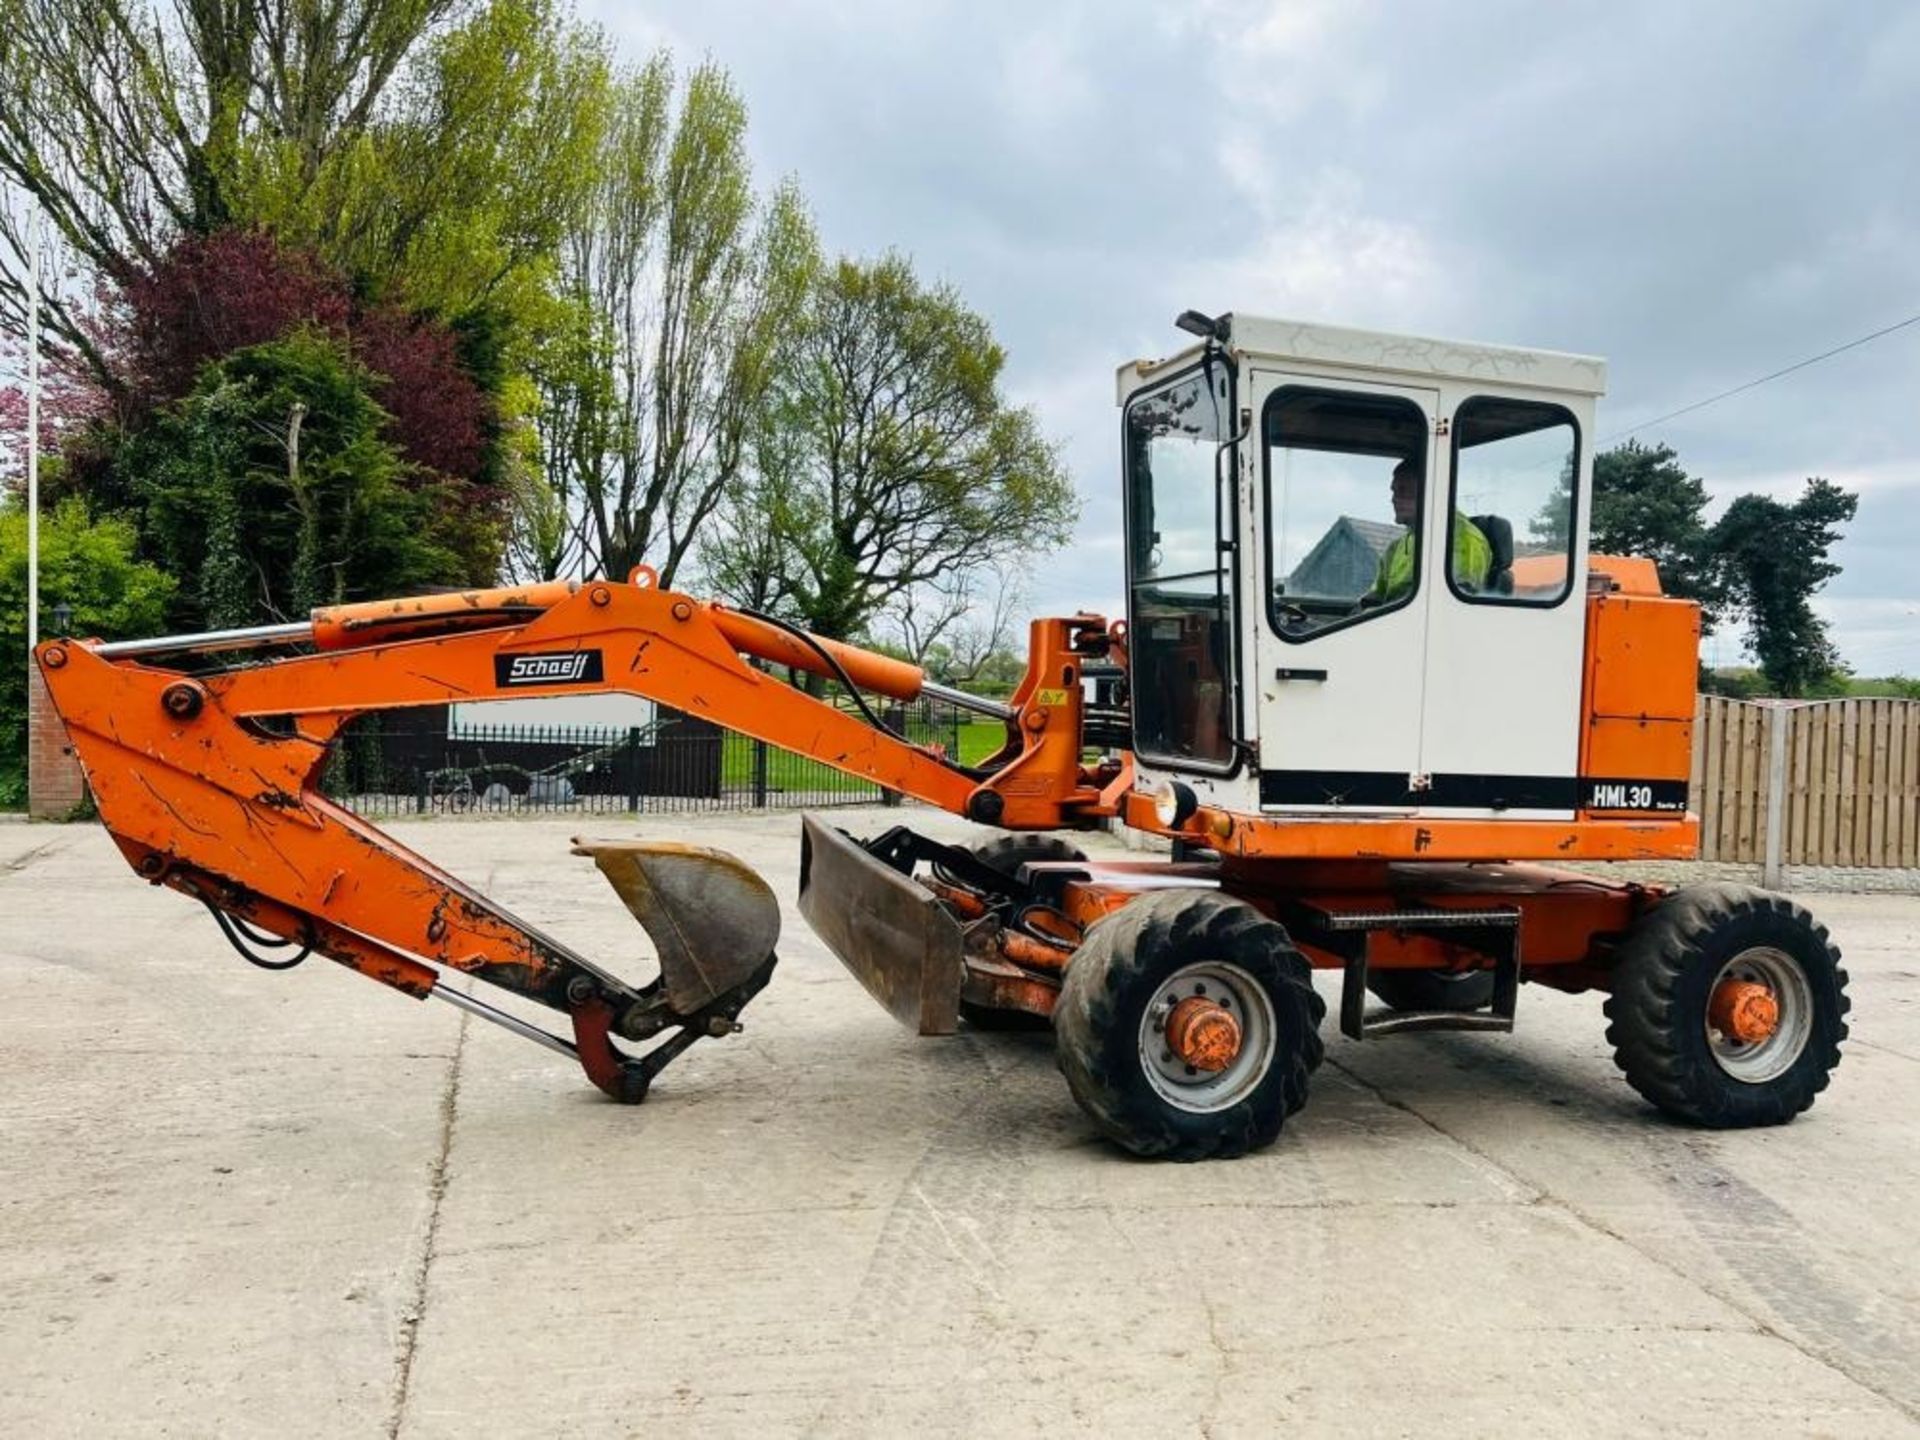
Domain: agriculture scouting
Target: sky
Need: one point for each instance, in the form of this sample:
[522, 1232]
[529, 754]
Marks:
[1702, 194]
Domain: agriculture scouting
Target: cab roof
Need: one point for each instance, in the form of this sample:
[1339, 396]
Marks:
[1263, 341]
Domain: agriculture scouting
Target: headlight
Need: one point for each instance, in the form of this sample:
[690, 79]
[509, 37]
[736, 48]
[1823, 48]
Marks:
[1174, 803]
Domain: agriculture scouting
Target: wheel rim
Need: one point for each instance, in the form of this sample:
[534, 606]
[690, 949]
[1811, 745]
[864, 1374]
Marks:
[1246, 1000]
[1756, 1061]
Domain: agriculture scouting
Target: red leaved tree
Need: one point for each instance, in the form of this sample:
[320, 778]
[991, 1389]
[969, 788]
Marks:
[439, 414]
[214, 294]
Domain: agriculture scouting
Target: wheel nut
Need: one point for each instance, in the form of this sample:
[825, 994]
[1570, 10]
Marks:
[1744, 1011]
[1203, 1034]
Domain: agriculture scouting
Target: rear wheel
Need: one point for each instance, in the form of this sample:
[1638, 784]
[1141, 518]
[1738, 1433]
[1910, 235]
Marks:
[1188, 1026]
[1431, 990]
[1007, 853]
[1728, 1007]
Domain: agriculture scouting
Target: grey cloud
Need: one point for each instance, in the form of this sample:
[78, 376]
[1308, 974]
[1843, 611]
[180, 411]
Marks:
[1700, 193]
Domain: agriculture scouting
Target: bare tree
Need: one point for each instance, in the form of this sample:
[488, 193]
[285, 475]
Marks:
[955, 625]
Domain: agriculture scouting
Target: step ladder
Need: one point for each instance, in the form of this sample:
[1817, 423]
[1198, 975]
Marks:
[1494, 932]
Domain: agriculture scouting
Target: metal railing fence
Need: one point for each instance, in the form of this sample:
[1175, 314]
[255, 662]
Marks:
[418, 762]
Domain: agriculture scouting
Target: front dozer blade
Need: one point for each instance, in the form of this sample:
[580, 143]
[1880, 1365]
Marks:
[712, 920]
[889, 931]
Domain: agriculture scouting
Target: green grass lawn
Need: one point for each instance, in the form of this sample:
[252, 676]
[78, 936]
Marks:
[787, 771]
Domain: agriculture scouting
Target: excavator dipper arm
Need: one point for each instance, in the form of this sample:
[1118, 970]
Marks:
[209, 781]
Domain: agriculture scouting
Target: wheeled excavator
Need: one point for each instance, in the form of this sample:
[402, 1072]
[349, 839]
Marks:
[1373, 724]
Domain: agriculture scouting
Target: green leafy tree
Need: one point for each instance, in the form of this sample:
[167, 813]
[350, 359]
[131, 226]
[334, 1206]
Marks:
[1775, 558]
[271, 490]
[1645, 503]
[130, 121]
[433, 149]
[892, 462]
[87, 565]
[457, 191]
[686, 288]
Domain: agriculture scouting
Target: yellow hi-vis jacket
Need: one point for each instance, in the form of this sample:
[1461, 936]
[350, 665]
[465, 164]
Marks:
[1472, 559]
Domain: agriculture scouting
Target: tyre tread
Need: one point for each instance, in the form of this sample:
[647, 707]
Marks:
[1653, 1048]
[1115, 957]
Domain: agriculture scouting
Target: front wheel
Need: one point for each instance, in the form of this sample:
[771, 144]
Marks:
[1728, 1007]
[1188, 1026]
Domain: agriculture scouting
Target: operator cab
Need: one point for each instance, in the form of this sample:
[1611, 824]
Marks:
[1357, 576]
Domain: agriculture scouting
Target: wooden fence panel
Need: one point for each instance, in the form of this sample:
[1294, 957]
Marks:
[1706, 729]
[1732, 748]
[1882, 760]
[1829, 781]
[1852, 781]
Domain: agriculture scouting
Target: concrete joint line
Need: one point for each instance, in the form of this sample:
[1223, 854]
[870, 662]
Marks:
[415, 1313]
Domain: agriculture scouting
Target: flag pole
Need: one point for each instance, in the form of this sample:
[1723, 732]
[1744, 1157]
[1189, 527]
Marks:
[33, 430]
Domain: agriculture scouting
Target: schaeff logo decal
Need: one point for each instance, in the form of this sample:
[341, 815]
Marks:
[569, 667]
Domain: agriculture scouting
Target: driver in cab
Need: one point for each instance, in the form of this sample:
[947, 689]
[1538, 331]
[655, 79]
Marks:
[1472, 555]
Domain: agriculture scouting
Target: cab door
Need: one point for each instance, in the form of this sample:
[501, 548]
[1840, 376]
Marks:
[1341, 653]
[1506, 620]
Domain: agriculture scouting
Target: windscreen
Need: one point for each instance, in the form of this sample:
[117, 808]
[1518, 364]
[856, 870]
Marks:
[1179, 584]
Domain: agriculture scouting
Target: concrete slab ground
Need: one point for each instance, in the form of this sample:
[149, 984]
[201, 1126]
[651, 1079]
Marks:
[236, 1203]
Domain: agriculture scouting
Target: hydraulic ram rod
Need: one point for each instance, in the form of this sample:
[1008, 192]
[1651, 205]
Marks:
[979, 704]
[254, 637]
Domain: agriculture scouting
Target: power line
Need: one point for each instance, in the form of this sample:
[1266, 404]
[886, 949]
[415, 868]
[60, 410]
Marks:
[1752, 384]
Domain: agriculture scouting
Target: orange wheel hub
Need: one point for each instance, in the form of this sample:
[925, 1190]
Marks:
[1203, 1034]
[1744, 1011]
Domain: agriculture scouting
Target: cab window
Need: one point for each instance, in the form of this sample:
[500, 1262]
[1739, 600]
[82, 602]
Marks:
[1180, 586]
[1345, 480]
[1515, 463]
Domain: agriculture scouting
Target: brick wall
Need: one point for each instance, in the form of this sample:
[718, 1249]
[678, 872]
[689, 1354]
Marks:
[55, 784]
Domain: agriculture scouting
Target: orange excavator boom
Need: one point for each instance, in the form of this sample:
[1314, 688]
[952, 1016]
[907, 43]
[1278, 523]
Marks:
[209, 779]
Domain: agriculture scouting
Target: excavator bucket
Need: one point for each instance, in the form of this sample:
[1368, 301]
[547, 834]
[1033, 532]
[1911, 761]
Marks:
[712, 920]
[889, 931]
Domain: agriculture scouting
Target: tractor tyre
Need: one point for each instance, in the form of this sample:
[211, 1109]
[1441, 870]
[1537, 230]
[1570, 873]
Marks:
[1112, 1024]
[1432, 990]
[1007, 853]
[1728, 1007]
